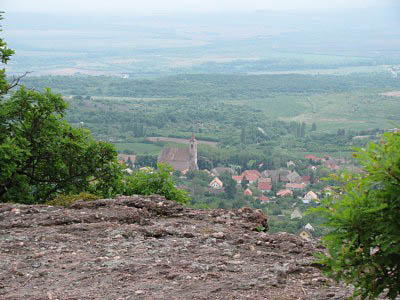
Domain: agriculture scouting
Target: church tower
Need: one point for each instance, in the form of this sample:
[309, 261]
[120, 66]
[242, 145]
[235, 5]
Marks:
[193, 153]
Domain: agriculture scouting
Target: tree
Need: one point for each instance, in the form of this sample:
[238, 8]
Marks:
[244, 183]
[155, 182]
[146, 160]
[303, 130]
[364, 218]
[5, 54]
[42, 156]
[229, 185]
[314, 127]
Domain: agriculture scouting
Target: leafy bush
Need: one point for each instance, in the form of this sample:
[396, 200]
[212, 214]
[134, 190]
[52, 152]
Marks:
[364, 218]
[149, 181]
[69, 200]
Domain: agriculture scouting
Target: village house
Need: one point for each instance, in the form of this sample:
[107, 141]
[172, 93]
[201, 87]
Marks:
[181, 158]
[294, 177]
[264, 186]
[305, 234]
[306, 179]
[248, 192]
[276, 175]
[254, 172]
[296, 214]
[312, 157]
[263, 179]
[263, 199]
[284, 193]
[251, 178]
[216, 183]
[310, 196]
[331, 165]
[290, 164]
[309, 227]
[295, 186]
[238, 179]
[327, 191]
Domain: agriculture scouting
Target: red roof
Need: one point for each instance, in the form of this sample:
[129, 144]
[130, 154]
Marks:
[248, 192]
[255, 172]
[263, 199]
[310, 156]
[264, 186]
[306, 178]
[238, 179]
[295, 186]
[251, 177]
[283, 193]
[263, 179]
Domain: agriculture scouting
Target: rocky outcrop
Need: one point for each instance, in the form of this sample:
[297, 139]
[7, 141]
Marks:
[150, 248]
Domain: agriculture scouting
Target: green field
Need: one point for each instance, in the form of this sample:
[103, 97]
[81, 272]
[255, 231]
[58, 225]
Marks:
[255, 114]
[138, 148]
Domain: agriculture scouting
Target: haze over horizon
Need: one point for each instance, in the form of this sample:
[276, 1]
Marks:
[150, 7]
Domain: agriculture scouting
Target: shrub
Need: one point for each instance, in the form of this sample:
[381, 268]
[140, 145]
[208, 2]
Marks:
[148, 182]
[364, 218]
[69, 200]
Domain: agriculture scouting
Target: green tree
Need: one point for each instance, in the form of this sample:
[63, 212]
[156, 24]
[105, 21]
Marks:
[364, 218]
[42, 156]
[244, 183]
[314, 127]
[243, 136]
[155, 182]
[229, 185]
[303, 130]
[5, 54]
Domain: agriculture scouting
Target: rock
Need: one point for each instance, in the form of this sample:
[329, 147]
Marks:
[146, 247]
[218, 235]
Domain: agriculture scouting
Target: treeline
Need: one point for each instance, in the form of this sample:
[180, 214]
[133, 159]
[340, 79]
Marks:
[212, 85]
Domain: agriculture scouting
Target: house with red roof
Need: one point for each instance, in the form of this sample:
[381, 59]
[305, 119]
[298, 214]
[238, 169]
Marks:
[254, 172]
[238, 179]
[295, 186]
[306, 179]
[248, 192]
[263, 199]
[264, 186]
[251, 178]
[263, 179]
[216, 183]
[312, 157]
[284, 193]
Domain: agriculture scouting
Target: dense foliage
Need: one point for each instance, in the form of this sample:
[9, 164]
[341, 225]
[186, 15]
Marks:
[364, 218]
[42, 155]
[150, 181]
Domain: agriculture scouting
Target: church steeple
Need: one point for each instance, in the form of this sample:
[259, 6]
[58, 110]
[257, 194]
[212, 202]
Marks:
[193, 153]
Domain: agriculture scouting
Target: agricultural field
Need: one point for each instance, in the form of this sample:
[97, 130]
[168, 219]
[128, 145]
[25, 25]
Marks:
[289, 114]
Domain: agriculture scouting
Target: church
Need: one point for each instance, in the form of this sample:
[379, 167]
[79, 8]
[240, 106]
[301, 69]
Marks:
[181, 159]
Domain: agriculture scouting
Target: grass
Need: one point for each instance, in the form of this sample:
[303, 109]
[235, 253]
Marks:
[139, 148]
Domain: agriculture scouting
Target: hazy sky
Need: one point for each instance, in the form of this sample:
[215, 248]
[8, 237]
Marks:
[171, 6]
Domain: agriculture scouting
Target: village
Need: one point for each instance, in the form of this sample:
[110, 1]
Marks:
[284, 194]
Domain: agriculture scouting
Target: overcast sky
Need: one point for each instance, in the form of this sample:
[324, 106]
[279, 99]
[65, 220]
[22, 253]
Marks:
[176, 6]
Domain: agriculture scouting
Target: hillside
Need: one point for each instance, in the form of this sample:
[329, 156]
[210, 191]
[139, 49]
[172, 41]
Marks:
[149, 248]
